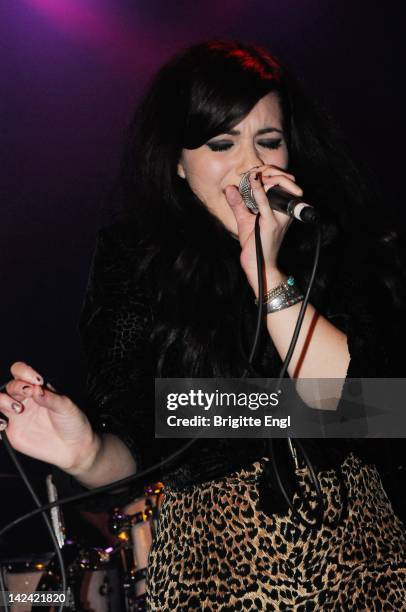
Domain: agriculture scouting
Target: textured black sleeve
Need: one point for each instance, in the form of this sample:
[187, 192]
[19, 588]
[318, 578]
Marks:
[360, 306]
[114, 327]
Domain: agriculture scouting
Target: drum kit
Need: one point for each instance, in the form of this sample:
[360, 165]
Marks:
[100, 579]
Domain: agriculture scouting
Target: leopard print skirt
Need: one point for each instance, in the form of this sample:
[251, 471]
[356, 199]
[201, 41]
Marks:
[217, 550]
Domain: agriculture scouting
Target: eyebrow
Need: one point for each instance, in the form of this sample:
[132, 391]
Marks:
[265, 130]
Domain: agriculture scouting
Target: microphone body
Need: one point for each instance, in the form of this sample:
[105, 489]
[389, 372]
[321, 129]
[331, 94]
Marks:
[280, 200]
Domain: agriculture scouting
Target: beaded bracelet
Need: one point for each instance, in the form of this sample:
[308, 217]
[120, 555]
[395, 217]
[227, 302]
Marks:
[282, 296]
[283, 287]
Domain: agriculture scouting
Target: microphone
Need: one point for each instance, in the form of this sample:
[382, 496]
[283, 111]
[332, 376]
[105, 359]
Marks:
[279, 199]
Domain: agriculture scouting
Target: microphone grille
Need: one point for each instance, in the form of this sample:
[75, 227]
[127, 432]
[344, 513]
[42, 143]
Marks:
[246, 193]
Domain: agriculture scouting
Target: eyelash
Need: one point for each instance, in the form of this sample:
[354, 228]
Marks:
[268, 144]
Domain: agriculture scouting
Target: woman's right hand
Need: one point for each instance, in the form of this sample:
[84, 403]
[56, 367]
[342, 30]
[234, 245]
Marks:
[45, 425]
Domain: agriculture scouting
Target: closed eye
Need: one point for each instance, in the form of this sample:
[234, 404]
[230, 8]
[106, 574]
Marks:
[275, 143]
[219, 145]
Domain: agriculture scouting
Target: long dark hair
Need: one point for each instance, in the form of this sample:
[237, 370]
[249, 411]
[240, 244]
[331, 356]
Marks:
[203, 306]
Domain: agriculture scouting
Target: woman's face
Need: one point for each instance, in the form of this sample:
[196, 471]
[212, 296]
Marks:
[257, 140]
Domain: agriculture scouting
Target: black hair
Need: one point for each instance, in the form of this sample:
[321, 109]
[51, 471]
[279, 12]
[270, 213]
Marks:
[204, 309]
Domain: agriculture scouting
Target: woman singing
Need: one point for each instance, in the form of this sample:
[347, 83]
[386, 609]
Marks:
[172, 293]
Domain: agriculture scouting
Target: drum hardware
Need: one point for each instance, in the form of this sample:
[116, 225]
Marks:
[139, 601]
[94, 558]
[135, 527]
[98, 580]
[56, 513]
[155, 491]
[121, 524]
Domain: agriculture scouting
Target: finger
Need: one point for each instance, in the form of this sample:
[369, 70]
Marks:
[271, 169]
[9, 406]
[3, 423]
[260, 197]
[236, 203]
[284, 182]
[282, 222]
[260, 189]
[19, 389]
[21, 370]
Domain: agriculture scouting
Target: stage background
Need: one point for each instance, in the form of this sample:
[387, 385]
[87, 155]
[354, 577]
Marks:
[72, 72]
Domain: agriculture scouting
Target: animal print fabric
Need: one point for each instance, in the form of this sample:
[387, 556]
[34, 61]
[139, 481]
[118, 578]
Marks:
[216, 549]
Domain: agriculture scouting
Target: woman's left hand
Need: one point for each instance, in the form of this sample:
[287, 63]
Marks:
[273, 224]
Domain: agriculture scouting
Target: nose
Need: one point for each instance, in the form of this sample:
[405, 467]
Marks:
[249, 158]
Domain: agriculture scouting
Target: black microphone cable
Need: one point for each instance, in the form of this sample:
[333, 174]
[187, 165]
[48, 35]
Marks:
[272, 468]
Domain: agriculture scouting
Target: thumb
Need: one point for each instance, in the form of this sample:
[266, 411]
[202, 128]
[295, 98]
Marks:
[236, 203]
[233, 196]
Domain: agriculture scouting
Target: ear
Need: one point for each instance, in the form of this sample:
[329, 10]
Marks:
[181, 170]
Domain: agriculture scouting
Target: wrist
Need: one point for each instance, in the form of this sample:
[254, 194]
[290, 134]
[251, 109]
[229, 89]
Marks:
[271, 279]
[85, 462]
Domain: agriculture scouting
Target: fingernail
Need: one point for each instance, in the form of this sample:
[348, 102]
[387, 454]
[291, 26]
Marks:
[16, 407]
[3, 424]
[36, 377]
[51, 387]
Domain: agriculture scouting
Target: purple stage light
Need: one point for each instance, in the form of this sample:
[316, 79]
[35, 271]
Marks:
[74, 17]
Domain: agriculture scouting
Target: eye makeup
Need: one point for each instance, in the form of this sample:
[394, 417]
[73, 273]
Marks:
[219, 145]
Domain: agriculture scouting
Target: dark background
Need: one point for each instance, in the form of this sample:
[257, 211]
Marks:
[72, 71]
